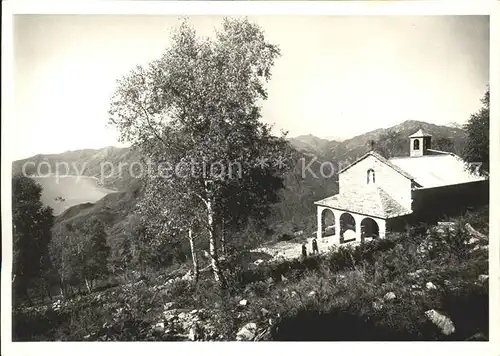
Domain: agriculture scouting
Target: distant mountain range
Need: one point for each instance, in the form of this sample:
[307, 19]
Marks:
[355, 147]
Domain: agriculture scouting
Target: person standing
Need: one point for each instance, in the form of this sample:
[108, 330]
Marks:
[304, 250]
[315, 247]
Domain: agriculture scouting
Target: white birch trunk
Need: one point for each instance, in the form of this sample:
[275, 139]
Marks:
[222, 239]
[193, 256]
[219, 277]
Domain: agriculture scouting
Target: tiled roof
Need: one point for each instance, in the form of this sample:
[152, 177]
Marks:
[366, 200]
[383, 160]
[436, 170]
[420, 133]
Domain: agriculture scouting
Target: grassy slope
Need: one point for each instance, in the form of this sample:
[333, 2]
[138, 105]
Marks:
[348, 303]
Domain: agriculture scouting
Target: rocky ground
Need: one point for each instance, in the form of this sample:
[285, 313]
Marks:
[153, 311]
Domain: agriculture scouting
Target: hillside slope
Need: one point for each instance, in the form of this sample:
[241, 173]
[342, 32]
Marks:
[112, 166]
[312, 145]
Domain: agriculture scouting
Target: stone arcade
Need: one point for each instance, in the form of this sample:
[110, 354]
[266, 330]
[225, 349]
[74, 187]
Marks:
[376, 193]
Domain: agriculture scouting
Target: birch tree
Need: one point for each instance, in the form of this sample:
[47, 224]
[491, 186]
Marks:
[195, 115]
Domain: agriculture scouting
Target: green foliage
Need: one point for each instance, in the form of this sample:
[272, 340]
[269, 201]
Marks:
[390, 144]
[80, 254]
[197, 107]
[125, 258]
[443, 144]
[98, 250]
[32, 223]
[478, 135]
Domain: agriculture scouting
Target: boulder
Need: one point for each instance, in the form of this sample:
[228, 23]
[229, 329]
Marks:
[312, 293]
[441, 321]
[258, 262]
[412, 274]
[265, 335]
[169, 317]
[169, 306]
[247, 332]
[186, 324]
[475, 233]
[243, 302]
[479, 247]
[159, 328]
[448, 224]
[473, 241]
[192, 335]
[389, 296]
[477, 337]
[377, 305]
[483, 278]
[430, 286]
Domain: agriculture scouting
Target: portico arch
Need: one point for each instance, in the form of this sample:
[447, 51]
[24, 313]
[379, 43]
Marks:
[328, 222]
[369, 229]
[347, 227]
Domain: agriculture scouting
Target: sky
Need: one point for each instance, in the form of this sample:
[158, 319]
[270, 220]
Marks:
[338, 76]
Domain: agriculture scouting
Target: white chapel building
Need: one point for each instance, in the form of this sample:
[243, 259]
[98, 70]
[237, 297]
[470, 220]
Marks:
[378, 194]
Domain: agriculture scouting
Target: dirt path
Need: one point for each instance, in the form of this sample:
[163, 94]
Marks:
[293, 249]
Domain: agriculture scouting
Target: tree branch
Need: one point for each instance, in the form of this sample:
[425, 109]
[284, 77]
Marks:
[151, 126]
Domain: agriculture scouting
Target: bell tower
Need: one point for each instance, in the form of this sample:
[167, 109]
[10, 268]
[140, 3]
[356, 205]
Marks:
[420, 142]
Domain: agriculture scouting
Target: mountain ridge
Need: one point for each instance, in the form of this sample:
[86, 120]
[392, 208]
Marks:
[356, 146]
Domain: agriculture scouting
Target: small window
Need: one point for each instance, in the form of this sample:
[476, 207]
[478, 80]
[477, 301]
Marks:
[416, 144]
[370, 176]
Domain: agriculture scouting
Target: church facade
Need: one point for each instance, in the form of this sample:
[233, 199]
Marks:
[378, 194]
